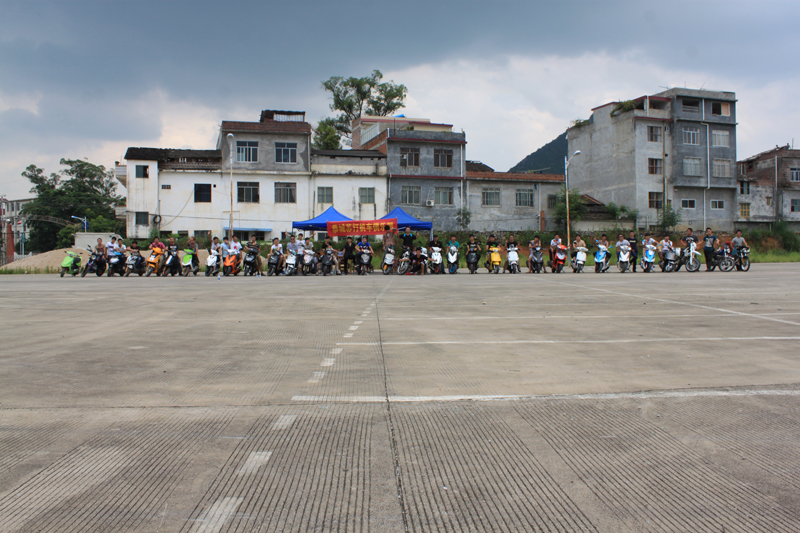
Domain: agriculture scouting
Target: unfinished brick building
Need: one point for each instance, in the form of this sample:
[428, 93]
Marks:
[769, 188]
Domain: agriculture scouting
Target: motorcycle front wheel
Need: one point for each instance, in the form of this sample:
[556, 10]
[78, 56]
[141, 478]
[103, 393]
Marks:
[693, 265]
[597, 267]
[63, 271]
[149, 271]
[727, 264]
[745, 265]
[387, 269]
[402, 268]
[647, 267]
[497, 269]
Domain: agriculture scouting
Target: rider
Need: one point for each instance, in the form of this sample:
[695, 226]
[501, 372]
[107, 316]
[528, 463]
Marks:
[111, 248]
[277, 248]
[192, 245]
[491, 243]
[216, 246]
[531, 245]
[689, 238]
[510, 241]
[160, 245]
[417, 263]
[348, 254]
[634, 249]
[294, 246]
[326, 245]
[310, 247]
[738, 242]
[710, 243]
[435, 242]
[553, 245]
[255, 247]
[364, 248]
[621, 241]
[236, 246]
[664, 245]
[473, 246]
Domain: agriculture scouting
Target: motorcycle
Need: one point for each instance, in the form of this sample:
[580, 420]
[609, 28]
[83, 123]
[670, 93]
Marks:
[116, 264]
[405, 263]
[307, 265]
[648, 258]
[689, 258]
[95, 265]
[212, 262]
[152, 262]
[388, 260]
[363, 261]
[231, 265]
[186, 262]
[512, 260]
[579, 259]
[452, 259]
[172, 264]
[472, 260]
[250, 263]
[436, 263]
[537, 260]
[273, 261]
[493, 259]
[671, 260]
[327, 261]
[134, 263]
[291, 264]
[624, 260]
[559, 259]
[71, 264]
[743, 259]
[601, 259]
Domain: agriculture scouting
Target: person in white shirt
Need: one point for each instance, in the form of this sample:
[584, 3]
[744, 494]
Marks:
[120, 248]
[664, 245]
[111, 247]
[555, 242]
[236, 246]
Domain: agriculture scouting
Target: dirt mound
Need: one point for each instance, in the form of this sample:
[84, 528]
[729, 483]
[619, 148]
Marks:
[41, 262]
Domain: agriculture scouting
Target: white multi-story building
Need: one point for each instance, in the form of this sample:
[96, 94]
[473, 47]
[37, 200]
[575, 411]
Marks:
[273, 179]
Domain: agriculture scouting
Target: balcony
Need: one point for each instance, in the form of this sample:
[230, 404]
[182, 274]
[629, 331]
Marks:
[700, 181]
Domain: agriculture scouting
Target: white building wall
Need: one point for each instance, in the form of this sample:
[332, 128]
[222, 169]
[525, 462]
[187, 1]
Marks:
[346, 195]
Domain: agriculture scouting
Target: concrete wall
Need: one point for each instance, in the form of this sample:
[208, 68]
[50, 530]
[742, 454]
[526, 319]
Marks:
[266, 153]
[142, 196]
[426, 143]
[82, 240]
[507, 216]
[442, 215]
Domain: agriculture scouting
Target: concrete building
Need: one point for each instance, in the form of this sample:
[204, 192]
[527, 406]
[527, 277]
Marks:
[11, 212]
[425, 165]
[677, 147]
[769, 188]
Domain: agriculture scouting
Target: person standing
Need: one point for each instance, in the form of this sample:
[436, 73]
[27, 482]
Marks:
[634, 244]
[348, 254]
[710, 244]
[408, 239]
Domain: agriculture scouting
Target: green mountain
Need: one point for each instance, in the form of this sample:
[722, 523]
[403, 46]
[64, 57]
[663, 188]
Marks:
[549, 159]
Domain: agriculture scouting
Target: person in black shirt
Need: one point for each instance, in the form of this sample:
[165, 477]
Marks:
[473, 246]
[689, 238]
[408, 239]
[349, 254]
[634, 249]
[509, 243]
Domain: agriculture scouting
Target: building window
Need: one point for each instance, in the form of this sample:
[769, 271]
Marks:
[654, 166]
[246, 151]
[687, 204]
[324, 195]
[692, 166]
[769, 200]
[442, 158]
[654, 134]
[409, 195]
[721, 168]
[691, 136]
[142, 218]
[744, 210]
[720, 109]
[794, 174]
[525, 198]
[690, 106]
[286, 152]
[247, 192]
[409, 157]
[366, 195]
[744, 187]
[656, 200]
[795, 205]
[166, 187]
[551, 201]
[490, 197]
[142, 171]
[720, 139]
[202, 193]
[285, 193]
[443, 195]
[717, 204]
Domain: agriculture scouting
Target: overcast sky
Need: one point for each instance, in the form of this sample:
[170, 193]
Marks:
[88, 79]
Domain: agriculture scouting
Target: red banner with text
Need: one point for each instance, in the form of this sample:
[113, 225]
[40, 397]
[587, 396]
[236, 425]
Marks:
[361, 227]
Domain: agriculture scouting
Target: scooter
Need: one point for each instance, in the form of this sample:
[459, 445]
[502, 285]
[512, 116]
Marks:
[231, 264]
[326, 263]
[404, 264]
[624, 261]
[579, 259]
[172, 264]
[290, 268]
[452, 259]
[559, 259]
[537, 259]
[134, 263]
[212, 263]
[388, 260]
[671, 260]
[250, 263]
[472, 261]
[601, 259]
[493, 260]
[273, 261]
[116, 264]
[152, 262]
[95, 265]
[648, 258]
[71, 264]
[436, 262]
[308, 266]
[362, 263]
[187, 264]
[512, 260]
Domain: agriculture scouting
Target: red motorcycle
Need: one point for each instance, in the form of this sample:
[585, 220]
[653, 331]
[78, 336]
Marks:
[559, 258]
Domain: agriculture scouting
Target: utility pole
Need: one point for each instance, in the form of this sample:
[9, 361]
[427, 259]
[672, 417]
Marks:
[230, 223]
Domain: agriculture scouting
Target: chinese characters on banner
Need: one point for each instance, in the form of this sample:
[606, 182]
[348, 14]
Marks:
[361, 227]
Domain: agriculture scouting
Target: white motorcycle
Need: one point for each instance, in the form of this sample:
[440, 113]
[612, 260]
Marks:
[436, 260]
[212, 262]
[452, 259]
[648, 257]
[291, 264]
[579, 259]
[388, 260]
[624, 261]
[308, 266]
[512, 260]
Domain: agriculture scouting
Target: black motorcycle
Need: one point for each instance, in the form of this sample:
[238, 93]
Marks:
[405, 261]
[363, 262]
[134, 264]
[327, 261]
[537, 260]
[116, 264]
[95, 265]
[249, 264]
[272, 263]
[172, 264]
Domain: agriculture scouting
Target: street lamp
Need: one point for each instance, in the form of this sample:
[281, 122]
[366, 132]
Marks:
[230, 223]
[85, 223]
[566, 188]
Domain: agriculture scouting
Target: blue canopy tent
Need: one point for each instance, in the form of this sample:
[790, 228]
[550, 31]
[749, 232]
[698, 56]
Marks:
[320, 223]
[404, 220]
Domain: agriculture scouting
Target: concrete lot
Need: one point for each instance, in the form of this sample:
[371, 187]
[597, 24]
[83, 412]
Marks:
[608, 403]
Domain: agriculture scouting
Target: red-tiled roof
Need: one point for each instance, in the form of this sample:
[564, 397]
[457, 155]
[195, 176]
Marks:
[269, 126]
[516, 176]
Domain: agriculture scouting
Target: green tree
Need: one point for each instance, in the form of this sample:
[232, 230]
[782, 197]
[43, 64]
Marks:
[668, 218]
[82, 189]
[577, 207]
[355, 97]
[326, 136]
[463, 218]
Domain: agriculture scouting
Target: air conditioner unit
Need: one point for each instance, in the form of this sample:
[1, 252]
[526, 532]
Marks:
[429, 203]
